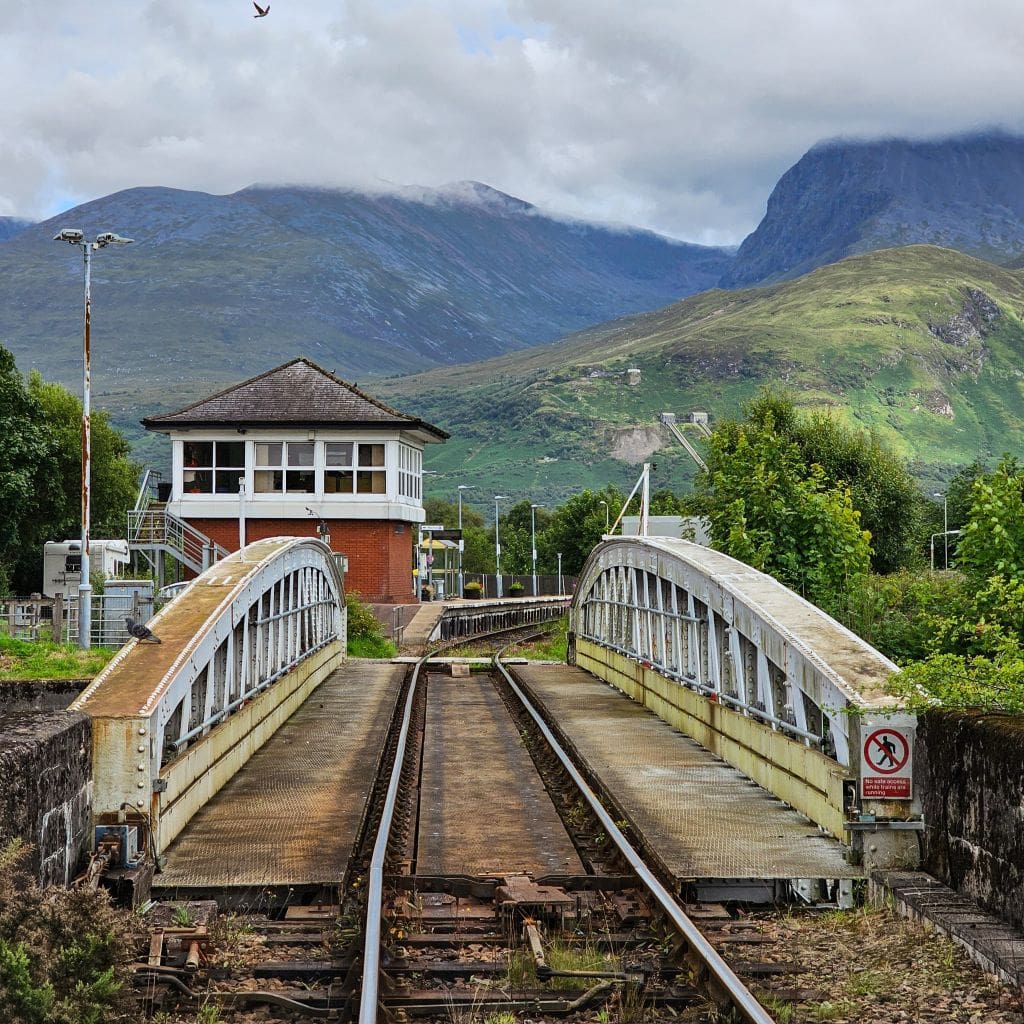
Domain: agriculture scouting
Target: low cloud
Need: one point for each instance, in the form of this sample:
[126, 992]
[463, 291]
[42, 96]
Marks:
[674, 117]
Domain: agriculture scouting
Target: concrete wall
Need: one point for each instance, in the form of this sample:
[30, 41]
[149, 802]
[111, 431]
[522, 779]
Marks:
[970, 770]
[39, 694]
[46, 788]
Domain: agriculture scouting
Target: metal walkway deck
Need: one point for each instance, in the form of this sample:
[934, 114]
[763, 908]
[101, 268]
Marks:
[483, 808]
[291, 816]
[700, 817]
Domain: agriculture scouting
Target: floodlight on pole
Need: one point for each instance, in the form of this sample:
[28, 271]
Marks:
[74, 236]
[497, 544]
[533, 537]
[462, 581]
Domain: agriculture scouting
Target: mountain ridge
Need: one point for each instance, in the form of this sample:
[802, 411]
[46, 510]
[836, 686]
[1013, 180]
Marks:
[843, 197]
[921, 345]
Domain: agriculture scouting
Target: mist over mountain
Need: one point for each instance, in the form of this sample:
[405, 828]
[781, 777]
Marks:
[848, 197]
[216, 288]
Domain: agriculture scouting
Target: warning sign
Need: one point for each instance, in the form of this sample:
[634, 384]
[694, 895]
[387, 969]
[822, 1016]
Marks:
[886, 765]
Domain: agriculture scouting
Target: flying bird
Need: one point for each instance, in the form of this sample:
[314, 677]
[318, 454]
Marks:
[141, 632]
[261, 12]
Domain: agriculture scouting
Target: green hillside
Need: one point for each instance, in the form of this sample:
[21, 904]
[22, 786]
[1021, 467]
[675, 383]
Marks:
[924, 346]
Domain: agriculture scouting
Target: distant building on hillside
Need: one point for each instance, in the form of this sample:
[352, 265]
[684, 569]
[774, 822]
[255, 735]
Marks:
[283, 451]
[633, 377]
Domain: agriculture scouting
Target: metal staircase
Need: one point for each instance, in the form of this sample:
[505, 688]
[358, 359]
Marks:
[154, 532]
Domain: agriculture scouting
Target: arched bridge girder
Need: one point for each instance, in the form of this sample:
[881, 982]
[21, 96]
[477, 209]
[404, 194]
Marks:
[172, 722]
[733, 634]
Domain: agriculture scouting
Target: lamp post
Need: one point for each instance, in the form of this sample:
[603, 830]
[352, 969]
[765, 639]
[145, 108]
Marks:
[462, 581]
[945, 527]
[605, 503]
[533, 536]
[497, 545]
[559, 573]
[76, 237]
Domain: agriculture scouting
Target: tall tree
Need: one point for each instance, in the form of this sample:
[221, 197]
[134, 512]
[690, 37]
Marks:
[891, 506]
[577, 526]
[771, 509]
[24, 451]
[40, 473]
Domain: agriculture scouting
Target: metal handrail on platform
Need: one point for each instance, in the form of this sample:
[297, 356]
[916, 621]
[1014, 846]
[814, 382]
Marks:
[153, 526]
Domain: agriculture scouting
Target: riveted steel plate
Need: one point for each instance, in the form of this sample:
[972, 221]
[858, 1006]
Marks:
[483, 808]
[292, 814]
[701, 817]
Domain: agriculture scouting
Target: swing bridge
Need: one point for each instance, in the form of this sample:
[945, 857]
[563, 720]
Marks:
[760, 678]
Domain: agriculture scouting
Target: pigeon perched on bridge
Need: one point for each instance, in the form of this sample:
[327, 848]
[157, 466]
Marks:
[142, 633]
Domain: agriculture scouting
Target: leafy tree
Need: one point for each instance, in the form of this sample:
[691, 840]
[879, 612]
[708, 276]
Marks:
[770, 508]
[24, 451]
[576, 527]
[882, 489]
[992, 543]
[40, 473]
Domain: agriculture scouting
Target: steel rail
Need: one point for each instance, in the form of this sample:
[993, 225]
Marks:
[375, 882]
[739, 995]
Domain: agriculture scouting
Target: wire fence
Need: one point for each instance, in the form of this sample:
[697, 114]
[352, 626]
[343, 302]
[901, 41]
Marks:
[56, 618]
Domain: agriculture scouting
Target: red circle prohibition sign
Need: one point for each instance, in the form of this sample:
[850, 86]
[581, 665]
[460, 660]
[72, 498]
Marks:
[886, 751]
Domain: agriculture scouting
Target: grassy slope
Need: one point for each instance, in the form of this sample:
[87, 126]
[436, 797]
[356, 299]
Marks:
[853, 337]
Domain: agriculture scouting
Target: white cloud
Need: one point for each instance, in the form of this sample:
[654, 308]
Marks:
[678, 116]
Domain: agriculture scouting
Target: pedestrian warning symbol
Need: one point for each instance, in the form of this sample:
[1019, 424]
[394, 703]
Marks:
[885, 765]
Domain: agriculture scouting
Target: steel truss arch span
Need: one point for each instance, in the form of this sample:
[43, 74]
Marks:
[241, 647]
[733, 634]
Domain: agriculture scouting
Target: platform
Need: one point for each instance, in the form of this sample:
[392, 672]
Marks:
[702, 819]
[292, 814]
[483, 808]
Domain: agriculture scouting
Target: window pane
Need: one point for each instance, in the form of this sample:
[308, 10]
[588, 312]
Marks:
[369, 482]
[227, 480]
[337, 482]
[371, 455]
[268, 454]
[197, 481]
[230, 454]
[300, 453]
[338, 453]
[199, 453]
[300, 481]
[268, 481]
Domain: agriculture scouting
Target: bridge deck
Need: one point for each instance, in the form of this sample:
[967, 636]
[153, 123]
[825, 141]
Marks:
[292, 814]
[483, 807]
[701, 817]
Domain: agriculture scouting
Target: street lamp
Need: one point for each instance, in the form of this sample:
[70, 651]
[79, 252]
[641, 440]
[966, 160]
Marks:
[945, 527]
[497, 545]
[533, 535]
[462, 487]
[76, 237]
[559, 573]
[605, 503]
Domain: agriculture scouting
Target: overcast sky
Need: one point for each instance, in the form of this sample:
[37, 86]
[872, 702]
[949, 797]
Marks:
[676, 115]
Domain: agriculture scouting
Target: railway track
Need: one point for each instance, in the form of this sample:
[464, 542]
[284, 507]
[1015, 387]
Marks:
[490, 882]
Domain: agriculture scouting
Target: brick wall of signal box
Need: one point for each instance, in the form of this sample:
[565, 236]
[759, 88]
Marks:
[379, 551]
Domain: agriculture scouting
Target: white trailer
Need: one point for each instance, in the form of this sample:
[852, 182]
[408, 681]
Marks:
[62, 563]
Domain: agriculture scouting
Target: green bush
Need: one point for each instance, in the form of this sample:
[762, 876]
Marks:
[64, 953]
[515, 590]
[366, 637]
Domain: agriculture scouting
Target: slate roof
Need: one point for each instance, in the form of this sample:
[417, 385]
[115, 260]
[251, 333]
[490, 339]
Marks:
[296, 394]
